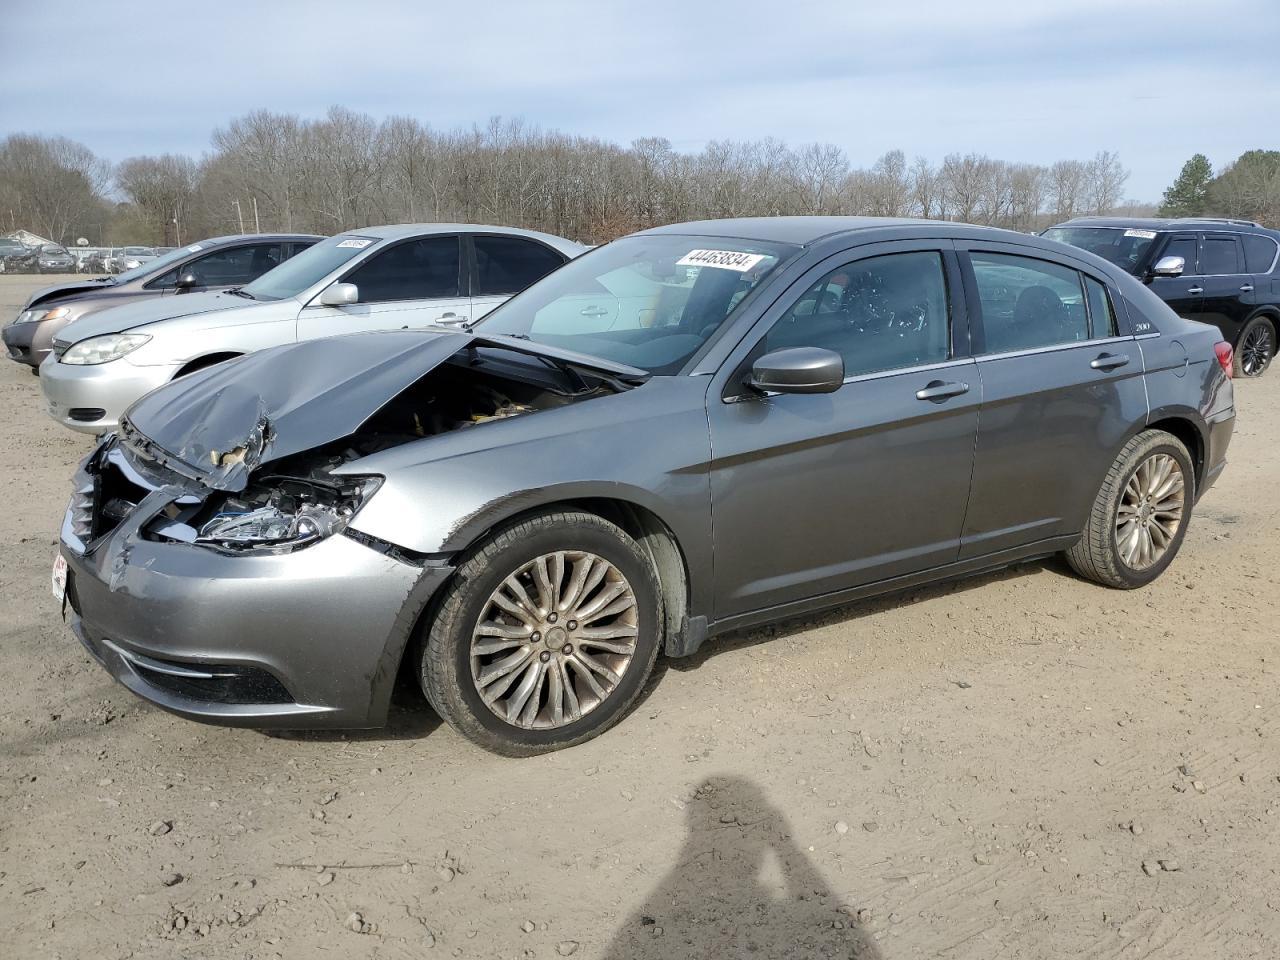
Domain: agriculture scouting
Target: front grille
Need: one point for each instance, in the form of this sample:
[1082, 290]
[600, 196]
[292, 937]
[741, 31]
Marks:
[80, 511]
[117, 495]
[59, 348]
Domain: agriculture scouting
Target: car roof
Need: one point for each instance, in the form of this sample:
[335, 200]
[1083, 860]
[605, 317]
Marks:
[399, 231]
[805, 231]
[209, 241]
[1226, 224]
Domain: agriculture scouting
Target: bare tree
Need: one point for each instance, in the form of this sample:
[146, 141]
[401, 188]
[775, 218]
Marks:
[51, 185]
[163, 189]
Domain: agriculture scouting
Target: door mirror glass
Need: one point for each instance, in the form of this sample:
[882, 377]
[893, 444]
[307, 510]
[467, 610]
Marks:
[185, 282]
[1169, 267]
[340, 295]
[798, 370]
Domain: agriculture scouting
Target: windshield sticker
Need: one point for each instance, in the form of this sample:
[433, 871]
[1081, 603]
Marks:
[194, 248]
[1144, 234]
[357, 244]
[724, 259]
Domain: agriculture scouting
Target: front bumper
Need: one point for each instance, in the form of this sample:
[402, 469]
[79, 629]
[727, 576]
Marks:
[91, 399]
[307, 639]
[30, 343]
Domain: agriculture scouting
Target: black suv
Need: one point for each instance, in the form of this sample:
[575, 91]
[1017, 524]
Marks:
[1216, 271]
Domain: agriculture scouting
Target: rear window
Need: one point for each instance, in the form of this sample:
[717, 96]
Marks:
[1259, 252]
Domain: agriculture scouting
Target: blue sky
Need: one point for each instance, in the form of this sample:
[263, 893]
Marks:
[1036, 80]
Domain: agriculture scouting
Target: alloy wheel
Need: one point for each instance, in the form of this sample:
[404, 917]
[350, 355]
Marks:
[554, 640]
[1150, 511]
[1256, 350]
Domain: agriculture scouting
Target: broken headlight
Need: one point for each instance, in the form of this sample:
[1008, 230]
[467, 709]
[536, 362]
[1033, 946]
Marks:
[285, 513]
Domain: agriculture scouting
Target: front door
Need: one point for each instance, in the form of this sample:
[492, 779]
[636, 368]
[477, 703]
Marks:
[1182, 293]
[1061, 386]
[815, 493]
[415, 283]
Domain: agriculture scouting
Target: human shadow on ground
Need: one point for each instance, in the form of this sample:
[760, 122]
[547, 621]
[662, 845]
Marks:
[740, 887]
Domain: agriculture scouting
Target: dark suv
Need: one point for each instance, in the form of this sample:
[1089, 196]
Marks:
[1223, 272]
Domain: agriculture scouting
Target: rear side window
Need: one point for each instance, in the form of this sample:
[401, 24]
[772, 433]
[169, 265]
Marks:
[1184, 247]
[1219, 255]
[509, 264]
[1259, 252]
[416, 270]
[1029, 303]
[1102, 318]
[883, 313]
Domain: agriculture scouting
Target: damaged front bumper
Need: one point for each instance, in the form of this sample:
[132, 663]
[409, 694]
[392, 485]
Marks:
[306, 639]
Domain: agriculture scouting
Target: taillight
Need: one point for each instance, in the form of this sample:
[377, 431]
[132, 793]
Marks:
[1226, 357]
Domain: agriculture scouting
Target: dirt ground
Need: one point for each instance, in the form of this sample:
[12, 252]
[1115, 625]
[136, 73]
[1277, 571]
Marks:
[1018, 765]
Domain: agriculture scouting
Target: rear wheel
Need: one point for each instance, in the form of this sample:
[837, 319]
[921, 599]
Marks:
[1140, 514]
[1257, 346]
[545, 636]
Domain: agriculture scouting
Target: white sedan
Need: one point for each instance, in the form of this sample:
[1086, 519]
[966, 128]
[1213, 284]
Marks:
[378, 278]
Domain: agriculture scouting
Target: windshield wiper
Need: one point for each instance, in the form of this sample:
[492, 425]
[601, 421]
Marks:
[240, 292]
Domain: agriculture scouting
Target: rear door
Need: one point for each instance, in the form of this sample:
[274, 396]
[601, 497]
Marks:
[413, 283]
[1182, 293]
[502, 266]
[1228, 296]
[816, 493]
[1061, 387]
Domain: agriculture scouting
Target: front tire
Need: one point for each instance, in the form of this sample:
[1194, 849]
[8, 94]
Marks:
[1255, 348]
[1140, 515]
[545, 635]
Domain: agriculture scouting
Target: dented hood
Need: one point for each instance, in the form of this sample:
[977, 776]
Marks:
[218, 424]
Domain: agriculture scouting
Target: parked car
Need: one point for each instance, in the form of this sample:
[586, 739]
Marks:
[1218, 271]
[131, 258]
[216, 263]
[863, 405]
[400, 276]
[17, 257]
[54, 258]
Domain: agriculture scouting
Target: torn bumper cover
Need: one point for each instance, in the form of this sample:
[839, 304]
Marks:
[303, 639]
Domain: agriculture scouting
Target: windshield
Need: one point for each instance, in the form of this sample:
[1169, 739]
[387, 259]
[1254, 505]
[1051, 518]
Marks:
[647, 301]
[53, 248]
[138, 252]
[154, 266]
[1126, 248]
[308, 268]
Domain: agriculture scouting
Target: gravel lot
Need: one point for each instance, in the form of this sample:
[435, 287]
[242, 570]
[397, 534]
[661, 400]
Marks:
[1018, 765]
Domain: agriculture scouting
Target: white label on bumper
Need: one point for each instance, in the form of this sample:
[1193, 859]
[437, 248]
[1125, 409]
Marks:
[59, 577]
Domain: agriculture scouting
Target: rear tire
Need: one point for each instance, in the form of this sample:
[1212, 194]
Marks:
[1255, 348]
[483, 619]
[1149, 481]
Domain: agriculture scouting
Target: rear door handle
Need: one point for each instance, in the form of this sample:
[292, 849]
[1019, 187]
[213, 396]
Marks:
[593, 311]
[1247, 288]
[1109, 361]
[1195, 289]
[939, 390]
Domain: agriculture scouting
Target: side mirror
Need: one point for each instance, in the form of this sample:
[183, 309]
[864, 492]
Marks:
[798, 370]
[340, 295]
[1169, 267]
[185, 283]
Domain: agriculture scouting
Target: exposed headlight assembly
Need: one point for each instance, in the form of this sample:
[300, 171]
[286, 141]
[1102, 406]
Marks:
[36, 314]
[103, 349]
[284, 513]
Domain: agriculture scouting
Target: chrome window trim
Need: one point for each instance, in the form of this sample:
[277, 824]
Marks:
[918, 368]
[1057, 347]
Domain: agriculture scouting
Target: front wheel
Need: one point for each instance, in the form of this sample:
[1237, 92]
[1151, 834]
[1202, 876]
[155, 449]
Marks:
[545, 635]
[1257, 346]
[1140, 514]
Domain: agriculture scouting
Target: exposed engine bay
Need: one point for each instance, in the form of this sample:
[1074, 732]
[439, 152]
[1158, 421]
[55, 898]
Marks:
[296, 500]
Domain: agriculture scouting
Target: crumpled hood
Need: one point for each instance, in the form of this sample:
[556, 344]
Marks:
[217, 425]
[130, 316]
[62, 292]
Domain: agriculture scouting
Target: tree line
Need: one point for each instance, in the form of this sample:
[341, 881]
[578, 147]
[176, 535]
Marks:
[1248, 188]
[278, 171]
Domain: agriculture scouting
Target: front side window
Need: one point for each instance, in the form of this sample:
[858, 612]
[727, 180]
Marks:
[509, 264]
[883, 313]
[1219, 255]
[650, 301]
[1028, 303]
[1126, 248]
[415, 270]
[228, 267]
[1184, 247]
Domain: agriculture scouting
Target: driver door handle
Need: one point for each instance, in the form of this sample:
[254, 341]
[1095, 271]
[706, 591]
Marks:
[1108, 361]
[593, 311]
[1195, 289]
[1247, 288]
[939, 390]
